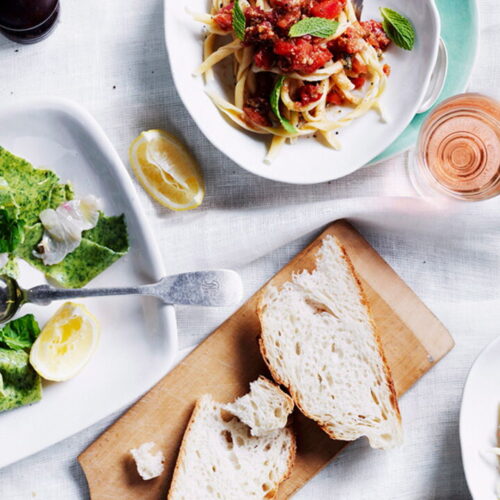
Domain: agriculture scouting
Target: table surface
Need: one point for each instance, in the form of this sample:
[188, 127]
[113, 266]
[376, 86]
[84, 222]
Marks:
[110, 57]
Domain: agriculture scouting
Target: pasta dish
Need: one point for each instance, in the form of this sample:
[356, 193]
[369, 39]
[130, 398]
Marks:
[301, 67]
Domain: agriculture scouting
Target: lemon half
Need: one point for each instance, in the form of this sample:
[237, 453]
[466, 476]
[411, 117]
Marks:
[66, 343]
[166, 170]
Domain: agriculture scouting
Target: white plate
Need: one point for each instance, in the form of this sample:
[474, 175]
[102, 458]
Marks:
[478, 423]
[139, 337]
[307, 161]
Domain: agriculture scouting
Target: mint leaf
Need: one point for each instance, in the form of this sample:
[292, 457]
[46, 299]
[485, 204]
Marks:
[239, 21]
[11, 232]
[314, 26]
[275, 106]
[398, 28]
[20, 333]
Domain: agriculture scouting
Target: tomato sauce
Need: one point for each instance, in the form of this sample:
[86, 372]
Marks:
[267, 32]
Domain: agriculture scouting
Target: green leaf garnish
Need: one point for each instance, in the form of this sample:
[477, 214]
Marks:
[11, 231]
[239, 20]
[314, 26]
[398, 28]
[275, 106]
[20, 333]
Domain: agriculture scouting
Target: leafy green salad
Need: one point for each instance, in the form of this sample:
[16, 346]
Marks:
[19, 383]
[70, 240]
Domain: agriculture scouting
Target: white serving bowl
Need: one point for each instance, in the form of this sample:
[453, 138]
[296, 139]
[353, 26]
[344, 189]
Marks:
[307, 161]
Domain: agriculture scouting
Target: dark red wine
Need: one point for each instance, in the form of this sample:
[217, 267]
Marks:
[28, 21]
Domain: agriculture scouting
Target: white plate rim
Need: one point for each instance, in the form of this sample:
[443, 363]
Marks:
[267, 174]
[462, 430]
[92, 127]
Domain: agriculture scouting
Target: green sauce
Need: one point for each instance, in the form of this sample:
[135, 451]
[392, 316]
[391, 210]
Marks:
[19, 383]
[29, 191]
[32, 189]
[100, 247]
[10, 268]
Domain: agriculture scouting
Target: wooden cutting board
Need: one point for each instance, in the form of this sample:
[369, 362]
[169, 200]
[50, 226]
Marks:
[224, 364]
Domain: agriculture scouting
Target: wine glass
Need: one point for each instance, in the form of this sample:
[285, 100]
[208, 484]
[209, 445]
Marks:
[458, 150]
[28, 21]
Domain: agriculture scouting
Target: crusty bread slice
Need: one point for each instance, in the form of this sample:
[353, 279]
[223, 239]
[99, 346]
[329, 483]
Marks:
[219, 459]
[320, 342]
[264, 409]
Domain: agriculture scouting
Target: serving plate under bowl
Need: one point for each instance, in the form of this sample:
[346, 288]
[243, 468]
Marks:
[460, 34]
[479, 415]
[307, 161]
[139, 337]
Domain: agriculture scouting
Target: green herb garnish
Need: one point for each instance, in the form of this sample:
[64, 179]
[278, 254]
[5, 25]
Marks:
[239, 20]
[398, 28]
[11, 231]
[314, 26]
[20, 333]
[275, 106]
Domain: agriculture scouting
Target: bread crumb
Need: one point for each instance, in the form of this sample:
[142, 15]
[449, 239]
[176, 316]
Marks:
[149, 465]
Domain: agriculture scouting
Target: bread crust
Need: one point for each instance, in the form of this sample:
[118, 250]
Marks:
[182, 453]
[388, 375]
[182, 449]
[292, 455]
[390, 381]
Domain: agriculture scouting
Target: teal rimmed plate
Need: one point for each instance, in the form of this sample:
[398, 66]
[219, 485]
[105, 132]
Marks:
[460, 32]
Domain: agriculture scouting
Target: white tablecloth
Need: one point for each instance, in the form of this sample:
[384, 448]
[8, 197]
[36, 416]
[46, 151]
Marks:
[110, 57]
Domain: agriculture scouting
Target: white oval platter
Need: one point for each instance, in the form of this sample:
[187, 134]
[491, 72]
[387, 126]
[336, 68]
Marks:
[139, 336]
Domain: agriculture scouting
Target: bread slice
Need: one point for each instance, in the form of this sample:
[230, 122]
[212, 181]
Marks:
[219, 459]
[264, 409]
[320, 342]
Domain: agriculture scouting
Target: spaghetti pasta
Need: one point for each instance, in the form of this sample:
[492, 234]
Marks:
[329, 81]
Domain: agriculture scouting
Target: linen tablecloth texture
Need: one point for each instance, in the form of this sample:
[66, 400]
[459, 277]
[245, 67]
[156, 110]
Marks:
[110, 57]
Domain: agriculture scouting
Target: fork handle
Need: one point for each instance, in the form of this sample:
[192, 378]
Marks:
[45, 294]
[216, 288]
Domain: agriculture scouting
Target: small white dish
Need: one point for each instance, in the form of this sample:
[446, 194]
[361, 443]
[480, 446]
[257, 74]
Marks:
[307, 161]
[139, 336]
[479, 415]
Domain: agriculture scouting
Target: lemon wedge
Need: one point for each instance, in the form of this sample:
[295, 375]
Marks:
[66, 343]
[166, 170]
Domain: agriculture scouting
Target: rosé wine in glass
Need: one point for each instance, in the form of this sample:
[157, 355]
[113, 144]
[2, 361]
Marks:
[458, 150]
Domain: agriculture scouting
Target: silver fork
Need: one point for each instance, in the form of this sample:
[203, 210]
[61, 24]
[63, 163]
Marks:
[358, 8]
[217, 288]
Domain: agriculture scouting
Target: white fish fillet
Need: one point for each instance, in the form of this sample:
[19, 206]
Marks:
[63, 228]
